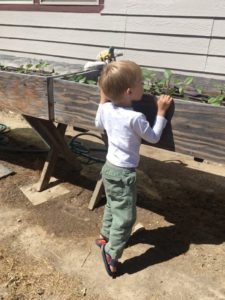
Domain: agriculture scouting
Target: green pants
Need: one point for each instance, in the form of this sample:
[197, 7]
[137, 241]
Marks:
[120, 209]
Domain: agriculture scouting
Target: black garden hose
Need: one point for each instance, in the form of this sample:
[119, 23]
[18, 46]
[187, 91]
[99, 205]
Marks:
[3, 139]
[81, 150]
[76, 146]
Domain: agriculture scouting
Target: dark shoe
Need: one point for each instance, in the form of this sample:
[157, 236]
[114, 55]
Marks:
[108, 261]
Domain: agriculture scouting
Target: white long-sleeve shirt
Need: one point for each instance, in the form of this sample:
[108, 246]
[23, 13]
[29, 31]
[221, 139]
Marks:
[125, 128]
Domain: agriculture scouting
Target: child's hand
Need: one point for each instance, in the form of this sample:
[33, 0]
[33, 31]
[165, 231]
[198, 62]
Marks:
[164, 102]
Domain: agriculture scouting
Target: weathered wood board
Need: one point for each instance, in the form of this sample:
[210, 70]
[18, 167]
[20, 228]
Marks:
[26, 94]
[194, 128]
[75, 104]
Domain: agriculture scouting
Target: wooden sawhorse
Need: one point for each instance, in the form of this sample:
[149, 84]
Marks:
[53, 135]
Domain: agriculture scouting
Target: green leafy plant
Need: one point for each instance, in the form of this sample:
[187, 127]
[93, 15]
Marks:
[24, 68]
[81, 78]
[166, 84]
[29, 68]
[216, 100]
[157, 84]
[183, 85]
[163, 85]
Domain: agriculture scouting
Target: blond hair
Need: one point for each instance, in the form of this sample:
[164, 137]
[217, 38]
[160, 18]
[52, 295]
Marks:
[117, 77]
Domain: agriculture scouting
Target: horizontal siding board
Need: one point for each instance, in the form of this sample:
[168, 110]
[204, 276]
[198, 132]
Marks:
[41, 56]
[63, 20]
[141, 41]
[161, 60]
[55, 49]
[153, 33]
[190, 8]
[167, 43]
[218, 28]
[217, 47]
[64, 36]
[215, 65]
[168, 60]
[164, 25]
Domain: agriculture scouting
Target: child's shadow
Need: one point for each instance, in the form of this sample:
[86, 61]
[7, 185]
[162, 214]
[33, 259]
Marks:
[165, 243]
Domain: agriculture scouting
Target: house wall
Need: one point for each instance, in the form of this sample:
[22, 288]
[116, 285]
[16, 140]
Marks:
[184, 36]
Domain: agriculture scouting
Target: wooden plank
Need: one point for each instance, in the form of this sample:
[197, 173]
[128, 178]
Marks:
[75, 104]
[157, 25]
[64, 36]
[96, 195]
[218, 28]
[203, 8]
[195, 129]
[167, 60]
[46, 57]
[49, 163]
[152, 59]
[215, 65]
[167, 43]
[25, 94]
[4, 171]
[199, 130]
[167, 25]
[53, 49]
[136, 41]
[63, 20]
[53, 136]
[217, 47]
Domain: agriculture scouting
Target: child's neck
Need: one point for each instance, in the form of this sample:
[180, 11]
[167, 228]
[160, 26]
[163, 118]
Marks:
[124, 103]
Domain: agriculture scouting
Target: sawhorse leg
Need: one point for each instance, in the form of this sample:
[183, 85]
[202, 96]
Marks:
[99, 188]
[96, 195]
[54, 136]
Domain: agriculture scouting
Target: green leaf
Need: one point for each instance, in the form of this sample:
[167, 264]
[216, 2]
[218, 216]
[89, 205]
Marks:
[199, 90]
[178, 82]
[92, 82]
[29, 66]
[167, 74]
[146, 87]
[188, 80]
[82, 80]
[181, 90]
[216, 100]
[147, 74]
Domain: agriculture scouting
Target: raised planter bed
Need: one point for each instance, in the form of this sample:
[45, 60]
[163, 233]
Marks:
[27, 91]
[30, 93]
[194, 128]
[27, 94]
[75, 104]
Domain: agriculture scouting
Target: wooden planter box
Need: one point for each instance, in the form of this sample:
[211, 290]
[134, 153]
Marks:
[194, 128]
[27, 94]
[75, 104]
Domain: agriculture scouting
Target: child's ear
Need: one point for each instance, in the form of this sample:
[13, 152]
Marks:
[129, 91]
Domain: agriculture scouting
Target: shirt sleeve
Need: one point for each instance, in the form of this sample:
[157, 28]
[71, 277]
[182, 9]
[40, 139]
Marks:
[98, 121]
[148, 133]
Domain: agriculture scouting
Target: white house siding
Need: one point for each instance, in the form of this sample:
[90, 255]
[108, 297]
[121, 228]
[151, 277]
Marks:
[186, 36]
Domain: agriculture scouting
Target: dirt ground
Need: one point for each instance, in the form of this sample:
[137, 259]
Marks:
[47, 251]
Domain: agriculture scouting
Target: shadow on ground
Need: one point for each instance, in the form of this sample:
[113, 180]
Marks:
[192, 202]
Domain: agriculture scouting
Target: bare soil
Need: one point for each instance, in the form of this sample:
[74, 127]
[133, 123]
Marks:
[47, 251]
